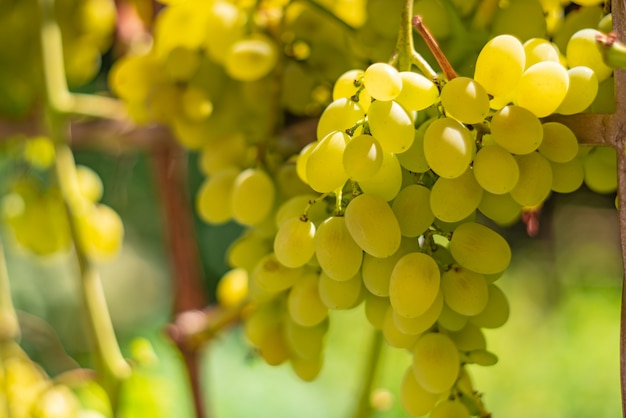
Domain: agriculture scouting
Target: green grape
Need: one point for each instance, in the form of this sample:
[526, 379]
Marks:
[482, 357]
[542, 88]
[559, 143]
[480, 249]
[521, 18]
[582, 90]
[604, 101]
[495, 169]
[251, 58]
[419, 324]
[376, 309]
[582, 49]
[450, 408]
[89, 183]
[376, 271]
[195, 103]
[100, 231]
[500, 65]
[575, 20]
[288, 182]
[305, 342]
[414, 284]
[362, 157]
[324, 167]
[336, 294]
[273, 347]
[391, 125]
[372, 225]
[416, 400]
[465, 100]
[600, 167]
[340, 115]
[539, 50]
[304, 304]
[516, 129]
[303, 160]
[346, 87]
[567, 177]
[232, 288]
[393, 336]
[606, 23]
[436, 362]
[496, 313]
[412, 209]
[306, 369]
[382, 81]
[448, 147]
[451, 320]
[500, 208]
[252, 196]
[295, 207]
[453, 200]
[182, 63]
[414, 159]
[469, 338]
[39, 152]
[388, 180]
[213, 202]
[417, 92]
[294, 244]
[226, 24]
[247, 250]
[338, 254]
[535, 179]
[464, 291]
[179, 25]
[435, 16]
[271, 276]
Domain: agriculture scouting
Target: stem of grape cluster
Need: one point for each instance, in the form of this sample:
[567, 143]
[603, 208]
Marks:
[364, 408]
[111, 365]
[432, 44]
[406, 56]
[9, 326]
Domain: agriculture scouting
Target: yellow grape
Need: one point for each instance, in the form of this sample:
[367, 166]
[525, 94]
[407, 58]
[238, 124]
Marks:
[213, 202]
[376, 309]
[372, 225]
[388, 180]
[500, 208]
[538, 50]
[451, 320]
[452, 200]
[414, 159]
[480, 249]
[414, 398]
[272, 276]
[362, 157]
[101, 232]
[391, 125]
[393, 336]
[414, 284]
[324, 167]
[482, 357]
[535, 179]
[89, 183]
[182, 63]
[305, 342]
[600, 167]
[464, 291]
[345, 87]
[516, 129]
[496, 312]
[195, 103]
[294, 244]
[450, 408]
[338, 254]
[232, 288]
[582, 90]
[495, 169]
[559, 143]
[304, 304]
[306, 369]
[542, 88]
[448, 147]
[465, 100]
[336, 294]
[339, 115]
[436, 362]
[412, 209]
[582, 49]
[303, 160]
[421, 323]
[251, 58]
[417, 92]
[376, 271]
[567, 177]
[382, 81]
[252, 197]
[469, 338]
[273, 347]
[225, 25]
[500, 65]
[247, 250]
[223, 152]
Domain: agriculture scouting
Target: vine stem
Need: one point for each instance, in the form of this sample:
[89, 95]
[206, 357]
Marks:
[9, 325]
[110, 364]
[364, 408]
[432, 44]
[405, 50]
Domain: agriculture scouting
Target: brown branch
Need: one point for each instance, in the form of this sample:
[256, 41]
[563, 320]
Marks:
[589, 128]
[432, 44]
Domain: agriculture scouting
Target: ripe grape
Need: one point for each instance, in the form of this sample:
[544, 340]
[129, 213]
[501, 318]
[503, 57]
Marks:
[421, 323]
[393, 336]
[448, 147]
[271, 276]
[495, 169]
[294, 243]
[415, 399]
[376, 309]
[450, 408]
[414, 284]
[559, 143]
[600, 167]
[252, 197]
[391, 125]
[480, 249]
[417, 92]
[324, 167]
[232, 288]
[340, 115]
[516, 129]
[496, 312]
[362, 157]
[382, 81]
[500, 65]
[436, 362]
[304, 304]
[581, 92]
[538, 50]
[451, 320]
[414, 159]
[464, 291]
[469, 338]
[338, 254]
[305, 342]
[582, 49]
[452, 200]
[500, 208]
[535, 179]
[465, 100]
[337, 294]
[567, 177]
[388, 180]
[412, 209]
[376, 271]
[542, 88]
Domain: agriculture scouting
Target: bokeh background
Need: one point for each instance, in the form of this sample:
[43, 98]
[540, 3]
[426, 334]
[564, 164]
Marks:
[558, 354]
